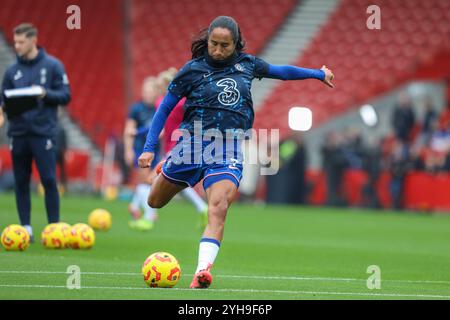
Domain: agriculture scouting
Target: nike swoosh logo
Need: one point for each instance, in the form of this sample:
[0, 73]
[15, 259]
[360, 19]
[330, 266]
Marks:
[207, 75]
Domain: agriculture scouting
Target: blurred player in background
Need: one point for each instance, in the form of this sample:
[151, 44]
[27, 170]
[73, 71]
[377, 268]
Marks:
[140, 115]
[216, 84]
[33, 132]
[170, 138]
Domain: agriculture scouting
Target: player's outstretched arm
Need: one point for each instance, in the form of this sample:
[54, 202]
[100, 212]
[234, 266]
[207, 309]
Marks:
[297, 73]
[168, 103]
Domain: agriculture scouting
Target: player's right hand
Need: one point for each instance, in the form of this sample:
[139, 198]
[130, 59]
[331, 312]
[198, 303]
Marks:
[145, 160]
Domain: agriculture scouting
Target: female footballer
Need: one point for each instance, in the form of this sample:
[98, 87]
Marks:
[216, 84]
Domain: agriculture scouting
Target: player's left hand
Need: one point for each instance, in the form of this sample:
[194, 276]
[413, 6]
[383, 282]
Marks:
[329, 76]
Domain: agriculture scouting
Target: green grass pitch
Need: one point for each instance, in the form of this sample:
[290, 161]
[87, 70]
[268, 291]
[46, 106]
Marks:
[272, 252]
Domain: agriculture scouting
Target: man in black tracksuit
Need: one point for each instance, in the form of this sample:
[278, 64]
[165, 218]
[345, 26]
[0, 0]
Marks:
[32, 132]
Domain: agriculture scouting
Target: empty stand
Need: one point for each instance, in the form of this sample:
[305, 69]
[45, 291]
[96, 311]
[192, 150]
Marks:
[365, 62]
[162, 30]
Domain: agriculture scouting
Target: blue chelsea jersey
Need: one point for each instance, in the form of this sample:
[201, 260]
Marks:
[219, 97]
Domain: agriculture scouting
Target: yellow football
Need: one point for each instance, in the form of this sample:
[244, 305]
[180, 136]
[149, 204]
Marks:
[82, 236]
[100, 219]
[161, 269]
[56, 236]
[15, 238]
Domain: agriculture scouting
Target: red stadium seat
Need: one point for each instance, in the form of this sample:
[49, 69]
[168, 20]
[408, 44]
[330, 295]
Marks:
[5, 159]
[258, 19]
[77, 164]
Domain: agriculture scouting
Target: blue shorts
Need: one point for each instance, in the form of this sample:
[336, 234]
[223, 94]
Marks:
[191, 174]
[192, 160]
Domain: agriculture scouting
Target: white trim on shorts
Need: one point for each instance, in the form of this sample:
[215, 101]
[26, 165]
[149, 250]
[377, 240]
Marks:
[178, 180]
[219, 173]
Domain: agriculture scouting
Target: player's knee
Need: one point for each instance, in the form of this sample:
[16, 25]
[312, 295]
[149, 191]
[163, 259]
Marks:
[155, 202]
[219, 204]
[217, 209]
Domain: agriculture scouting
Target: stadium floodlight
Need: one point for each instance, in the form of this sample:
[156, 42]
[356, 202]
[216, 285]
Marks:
[300, 119]
[369, 115]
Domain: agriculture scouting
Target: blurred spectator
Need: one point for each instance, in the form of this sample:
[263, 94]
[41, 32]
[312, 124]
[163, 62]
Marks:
[138, 121]
[447, 163]
[353, 148]
[334, 165]
[439, 148]
[371, 164]
[430, 115]
[444, 118]
[399, 165]
[288, 185]
[416, 154]
[403, 118]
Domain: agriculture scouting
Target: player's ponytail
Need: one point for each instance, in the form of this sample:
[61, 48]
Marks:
[200, 44]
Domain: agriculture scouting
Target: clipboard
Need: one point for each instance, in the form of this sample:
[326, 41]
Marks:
[18, 101]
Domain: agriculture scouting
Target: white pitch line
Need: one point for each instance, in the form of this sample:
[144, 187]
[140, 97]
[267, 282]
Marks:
[235, 276]
[331, 279]
[239, 290]
[63, 272]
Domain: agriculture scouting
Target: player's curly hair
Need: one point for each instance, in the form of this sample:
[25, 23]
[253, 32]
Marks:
[200, 43]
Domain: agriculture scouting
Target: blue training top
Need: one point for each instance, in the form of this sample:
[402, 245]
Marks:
[48, 72]
[142, 114]
[219, 95]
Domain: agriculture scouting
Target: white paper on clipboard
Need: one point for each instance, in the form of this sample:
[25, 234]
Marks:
[34, 91]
